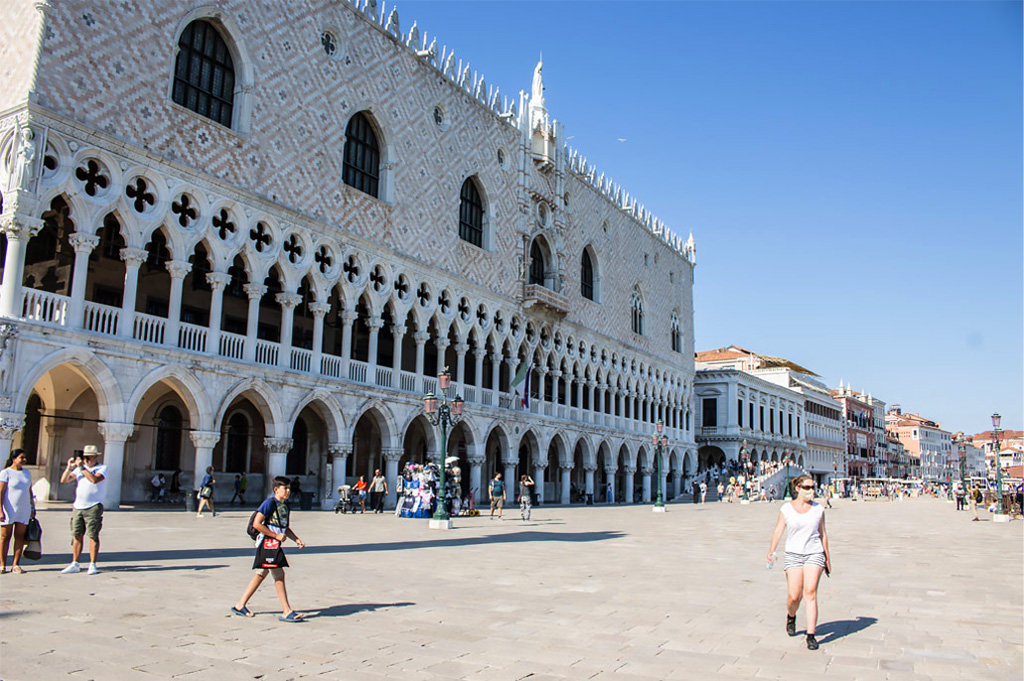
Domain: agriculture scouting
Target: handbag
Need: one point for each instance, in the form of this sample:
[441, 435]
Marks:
[205, 492]
[34, 531]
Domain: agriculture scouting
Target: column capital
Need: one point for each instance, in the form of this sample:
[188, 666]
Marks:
[254, 290]
[83, 243]
[277, 445]
[348, 316]
[336, 449]
[442, 344]
[204, 438]
[218, 280]
[541, 465]
[133, 257]
[116, 432]
[398, 330]
[421, 337]
[564, 466]
[629, 468]
[476, 460]
[392, 454]
[555, 373]
[611, 470]
[10, 424]
[19, 226]
[319, 309]
[647, 470]
[288, 300]
[461, 348]
[178, 268]
[374, 323]
[587, 466]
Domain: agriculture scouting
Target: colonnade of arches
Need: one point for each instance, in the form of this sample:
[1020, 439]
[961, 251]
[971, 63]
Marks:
[173, 419]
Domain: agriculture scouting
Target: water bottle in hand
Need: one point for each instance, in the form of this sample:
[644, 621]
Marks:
[771, 562]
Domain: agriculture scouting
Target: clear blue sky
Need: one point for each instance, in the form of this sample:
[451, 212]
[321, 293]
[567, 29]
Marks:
[851, 171]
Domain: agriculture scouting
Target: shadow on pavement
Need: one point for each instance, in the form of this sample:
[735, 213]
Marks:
[352, 608]
[833, 631]
[194, 554]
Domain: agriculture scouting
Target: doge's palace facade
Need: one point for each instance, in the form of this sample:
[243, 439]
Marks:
[251, 235]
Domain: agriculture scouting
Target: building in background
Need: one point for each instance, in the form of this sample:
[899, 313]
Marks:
[926, 441]
[863, 441]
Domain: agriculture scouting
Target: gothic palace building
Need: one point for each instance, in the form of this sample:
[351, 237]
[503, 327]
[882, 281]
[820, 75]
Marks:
[253, 234]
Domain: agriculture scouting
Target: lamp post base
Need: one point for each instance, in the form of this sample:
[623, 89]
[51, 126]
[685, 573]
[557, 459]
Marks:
[744, 502]
[1000, 518]
[658, 509]
[440, 524]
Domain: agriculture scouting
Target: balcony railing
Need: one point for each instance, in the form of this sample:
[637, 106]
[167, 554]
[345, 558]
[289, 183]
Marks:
[232, 345]
[149, 328]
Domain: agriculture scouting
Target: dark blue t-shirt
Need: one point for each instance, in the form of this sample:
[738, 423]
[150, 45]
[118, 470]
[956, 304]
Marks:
[274, 513]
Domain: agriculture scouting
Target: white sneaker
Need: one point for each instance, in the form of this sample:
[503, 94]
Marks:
[71, 569]
[92, 569]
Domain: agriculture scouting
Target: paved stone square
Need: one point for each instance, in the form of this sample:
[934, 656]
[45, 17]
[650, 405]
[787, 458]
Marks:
[918, 592]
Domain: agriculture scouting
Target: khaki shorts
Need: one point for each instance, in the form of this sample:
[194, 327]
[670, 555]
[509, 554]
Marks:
[88, 521]
[498, 503]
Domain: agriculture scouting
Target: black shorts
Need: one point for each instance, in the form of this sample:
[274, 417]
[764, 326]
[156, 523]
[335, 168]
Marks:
[269, 555]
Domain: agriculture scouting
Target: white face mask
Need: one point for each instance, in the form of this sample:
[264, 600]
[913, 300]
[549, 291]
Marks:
[806, 494]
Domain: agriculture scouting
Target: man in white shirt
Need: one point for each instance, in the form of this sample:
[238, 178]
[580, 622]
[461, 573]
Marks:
[87, 513]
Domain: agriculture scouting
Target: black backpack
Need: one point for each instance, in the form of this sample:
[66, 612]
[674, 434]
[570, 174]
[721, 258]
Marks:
[250, 529]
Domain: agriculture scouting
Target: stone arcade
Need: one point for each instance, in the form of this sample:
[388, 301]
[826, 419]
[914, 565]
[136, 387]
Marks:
[252, 239]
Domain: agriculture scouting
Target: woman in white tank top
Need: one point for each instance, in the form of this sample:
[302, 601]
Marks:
[806, 554]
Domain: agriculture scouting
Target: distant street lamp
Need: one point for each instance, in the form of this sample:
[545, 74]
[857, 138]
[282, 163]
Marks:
[745, 455]
[962, 446]
[444, 414]
[660, 442]
[785, 457]
[996, 418]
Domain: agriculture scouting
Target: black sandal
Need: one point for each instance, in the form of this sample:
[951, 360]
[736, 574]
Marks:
[791, 625]
[812, 643]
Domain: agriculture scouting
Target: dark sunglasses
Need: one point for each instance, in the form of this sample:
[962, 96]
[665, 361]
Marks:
[805, 486]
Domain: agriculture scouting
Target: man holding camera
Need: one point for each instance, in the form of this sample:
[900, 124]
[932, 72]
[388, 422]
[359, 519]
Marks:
[87, 513]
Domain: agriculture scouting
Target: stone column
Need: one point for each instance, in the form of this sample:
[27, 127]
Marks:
[339, 455]
[538, 479]
[645, 481]
[255, 293]
[476, 469]
[277, 458]
[374, 324]
[510, 480]
[478, 357]
[391, 458]
[218, 281]
[627, 483]
[512, 363]
[287, 301]
[398, 333]
[460, 366]
[542, 373]
[10, 424]
[319, 310]
[83, 245]
[347, 318]
[19, 229]
[442, 347]
[565, 473]
[114, 437]
[677, 479]
[421, 338]
[177, 269]
[610, 474]
[204, 441]
[588, 471]
[579, 394]
[133, 258]
[495, 376]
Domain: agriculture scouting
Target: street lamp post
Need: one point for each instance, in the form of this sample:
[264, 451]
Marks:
[444, 414]
[785, 456]
[996, 418]
[745, 455]
[660, 442]
[962, 446]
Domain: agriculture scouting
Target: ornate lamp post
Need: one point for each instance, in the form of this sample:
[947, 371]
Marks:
[444, 414]
[745, 457]
[660, 442]
[962, 446]
[996, 418]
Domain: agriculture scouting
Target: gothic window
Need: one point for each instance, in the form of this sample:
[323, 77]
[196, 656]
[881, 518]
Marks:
[587, 276]
[677, 335]
[204, 73]
[168, 439]
[471, 214]
[361, 168]
[536, 264]
[638, 313]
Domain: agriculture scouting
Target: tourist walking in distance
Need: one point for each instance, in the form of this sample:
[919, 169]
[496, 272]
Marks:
[525, 499]
[496, 493]
[975, 498]
[378, 491]
[87, 510]
[272, 522]
[205, 493]
[15, 507]
[806, 554]
[361, 493]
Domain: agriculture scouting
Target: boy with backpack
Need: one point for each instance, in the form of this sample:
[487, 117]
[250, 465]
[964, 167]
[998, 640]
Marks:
[268, 526]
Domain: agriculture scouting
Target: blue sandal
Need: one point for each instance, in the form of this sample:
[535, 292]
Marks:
[241, 612]
[291, 617]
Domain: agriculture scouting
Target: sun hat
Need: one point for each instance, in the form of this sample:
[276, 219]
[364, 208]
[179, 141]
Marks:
[91, 450]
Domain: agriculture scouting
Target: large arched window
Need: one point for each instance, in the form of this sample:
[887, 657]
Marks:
[168, 440]
[638, 312]
[677, 334]
[361, 167]
[536, 264]
[587, 276]
[204, 73]
[471, 214]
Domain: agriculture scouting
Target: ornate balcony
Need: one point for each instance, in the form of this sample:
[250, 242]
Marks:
[535, 294]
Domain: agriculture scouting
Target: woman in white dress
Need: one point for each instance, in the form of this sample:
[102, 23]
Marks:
[806, 554]
[16, 507]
